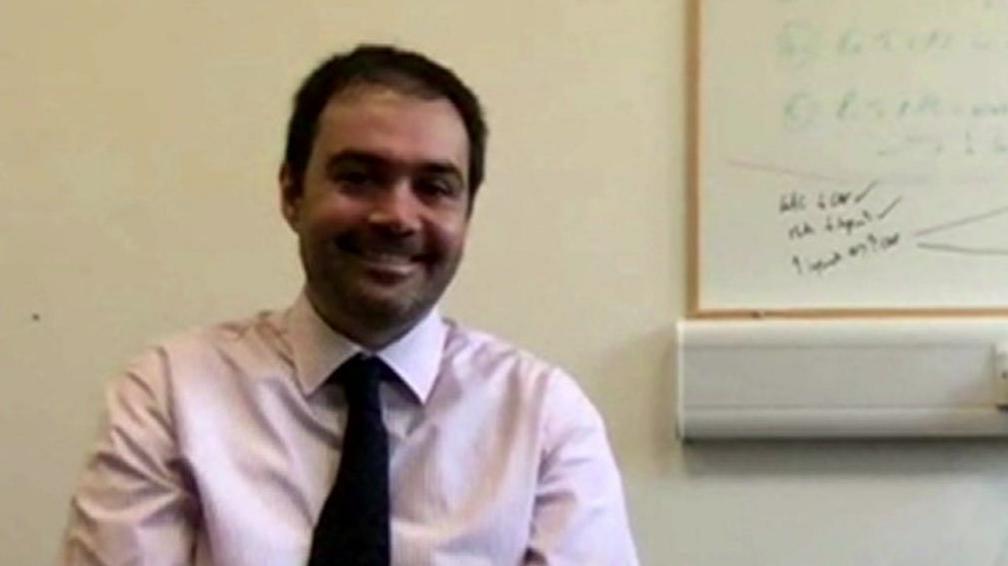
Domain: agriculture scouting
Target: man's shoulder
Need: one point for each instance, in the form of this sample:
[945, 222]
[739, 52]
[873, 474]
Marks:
[264, 326]
[259, 337]
[487, 366]
[464, 344]
[482, 356]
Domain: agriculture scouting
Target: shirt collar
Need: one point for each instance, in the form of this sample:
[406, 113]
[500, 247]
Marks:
[318, 349]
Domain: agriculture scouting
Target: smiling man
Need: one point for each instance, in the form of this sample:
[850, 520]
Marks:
[358, 426]
[381, 209]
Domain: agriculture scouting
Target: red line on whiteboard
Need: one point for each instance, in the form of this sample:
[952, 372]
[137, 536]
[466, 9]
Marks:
[784, 171]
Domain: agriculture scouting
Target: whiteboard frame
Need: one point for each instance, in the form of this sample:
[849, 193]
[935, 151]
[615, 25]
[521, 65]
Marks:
[696, 309]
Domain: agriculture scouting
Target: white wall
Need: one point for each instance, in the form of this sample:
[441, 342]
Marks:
[138, 149]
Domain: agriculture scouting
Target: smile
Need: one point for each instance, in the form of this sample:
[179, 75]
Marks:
[386, 264]
[385, 258]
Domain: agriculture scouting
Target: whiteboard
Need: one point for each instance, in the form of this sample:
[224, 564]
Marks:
[851, 156]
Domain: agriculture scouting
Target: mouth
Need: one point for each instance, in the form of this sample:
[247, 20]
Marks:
[386, 259]
[385, 265]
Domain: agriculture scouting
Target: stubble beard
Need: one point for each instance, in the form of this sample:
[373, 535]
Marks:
[356, 308]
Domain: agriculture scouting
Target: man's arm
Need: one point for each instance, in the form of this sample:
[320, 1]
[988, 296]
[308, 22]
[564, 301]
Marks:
[579, 516]
[134, 504]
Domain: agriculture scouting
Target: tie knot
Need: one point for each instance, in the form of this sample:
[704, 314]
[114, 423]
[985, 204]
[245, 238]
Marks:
[360, 377]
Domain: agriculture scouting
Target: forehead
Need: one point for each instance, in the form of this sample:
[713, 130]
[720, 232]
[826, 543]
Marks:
[392, 125]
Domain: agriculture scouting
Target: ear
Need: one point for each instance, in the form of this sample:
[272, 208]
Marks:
[290, 196]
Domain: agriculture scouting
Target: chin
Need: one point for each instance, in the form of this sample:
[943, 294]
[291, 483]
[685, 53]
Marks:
[387, 311]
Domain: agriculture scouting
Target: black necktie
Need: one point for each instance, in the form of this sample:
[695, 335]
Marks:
[353, 527]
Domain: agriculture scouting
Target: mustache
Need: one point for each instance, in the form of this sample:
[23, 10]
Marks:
[379, 241]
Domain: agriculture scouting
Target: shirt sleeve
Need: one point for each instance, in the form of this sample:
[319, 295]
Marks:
[579, 516]
[134, 503]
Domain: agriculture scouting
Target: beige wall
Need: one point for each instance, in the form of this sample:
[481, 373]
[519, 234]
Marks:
[138, 149]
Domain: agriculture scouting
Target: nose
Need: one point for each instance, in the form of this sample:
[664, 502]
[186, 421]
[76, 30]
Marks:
[396, 209]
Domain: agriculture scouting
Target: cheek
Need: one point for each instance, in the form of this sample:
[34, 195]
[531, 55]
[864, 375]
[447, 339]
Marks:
[330, 217]
[451, 234]
[454, 241]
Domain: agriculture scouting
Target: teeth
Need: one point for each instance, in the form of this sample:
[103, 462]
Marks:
[385, 257]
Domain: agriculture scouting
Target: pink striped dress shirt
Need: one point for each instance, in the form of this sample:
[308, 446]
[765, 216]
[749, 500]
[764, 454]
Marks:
[219, 448]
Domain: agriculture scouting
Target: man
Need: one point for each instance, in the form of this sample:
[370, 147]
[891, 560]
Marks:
[252, 443]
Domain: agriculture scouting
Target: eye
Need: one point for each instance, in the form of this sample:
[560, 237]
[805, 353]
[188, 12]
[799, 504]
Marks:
[354, 179]
[438, 187]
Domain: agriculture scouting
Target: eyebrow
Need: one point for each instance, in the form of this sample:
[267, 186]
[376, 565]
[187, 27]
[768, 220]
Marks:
[370, 159]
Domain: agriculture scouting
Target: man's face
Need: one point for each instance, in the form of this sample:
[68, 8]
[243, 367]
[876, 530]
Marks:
[382, 212]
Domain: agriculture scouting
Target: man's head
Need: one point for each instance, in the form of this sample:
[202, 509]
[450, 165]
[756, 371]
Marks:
[383, 159]
[380, 65]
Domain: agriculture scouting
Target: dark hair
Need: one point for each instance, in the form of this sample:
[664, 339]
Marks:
[402, 70]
